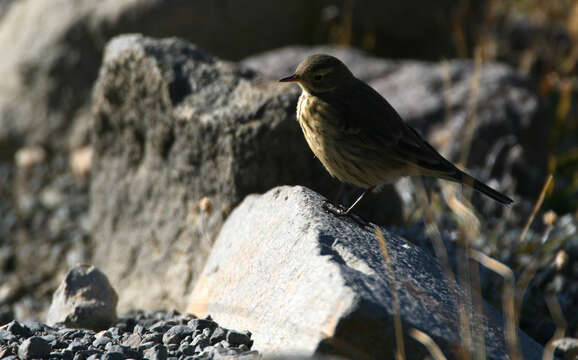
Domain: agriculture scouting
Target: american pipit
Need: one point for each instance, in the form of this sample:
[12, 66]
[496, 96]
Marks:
[359, 137]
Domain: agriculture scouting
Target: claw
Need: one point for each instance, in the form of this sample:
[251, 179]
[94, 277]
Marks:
[340, 211]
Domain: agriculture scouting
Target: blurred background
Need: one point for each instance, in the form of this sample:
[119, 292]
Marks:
[51, 51]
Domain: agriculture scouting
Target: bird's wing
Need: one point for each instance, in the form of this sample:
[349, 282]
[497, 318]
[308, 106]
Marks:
[373, 118]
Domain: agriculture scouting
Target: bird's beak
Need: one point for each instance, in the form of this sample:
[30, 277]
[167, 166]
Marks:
[292, 78]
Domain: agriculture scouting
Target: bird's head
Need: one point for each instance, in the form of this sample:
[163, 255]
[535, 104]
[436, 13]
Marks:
[320, 74]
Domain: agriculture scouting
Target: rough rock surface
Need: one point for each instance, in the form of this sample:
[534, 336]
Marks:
[138, 335]
[84, 299]
[180, 138]
[308, 282]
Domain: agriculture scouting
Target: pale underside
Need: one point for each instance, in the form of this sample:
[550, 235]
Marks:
[343, 152]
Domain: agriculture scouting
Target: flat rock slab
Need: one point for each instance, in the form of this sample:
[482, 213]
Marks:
[306, 282]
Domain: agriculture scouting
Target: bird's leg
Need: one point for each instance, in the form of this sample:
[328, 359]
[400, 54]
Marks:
[340, 211]
[356, 201]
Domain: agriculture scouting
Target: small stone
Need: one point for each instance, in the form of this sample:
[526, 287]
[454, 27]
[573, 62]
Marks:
[34, 347]
[146, 345]
[157, 352]
[18, 329]
[154, 337]
[67, 334]
[187, 349]
[88, 353]
[200, 324]
[201, 342]
[218, 335]
[113, 355]
[51, 339]
[115, 332]
[113, 347]
[160, 327]
[139, 329]
[133, 340]
[103, 333]
[77, 345]
[175, 334]
[38, 328]
[84, 299]
[6, 336]
[67, 355]
[101, 342]
[237, 338]
[207, 332]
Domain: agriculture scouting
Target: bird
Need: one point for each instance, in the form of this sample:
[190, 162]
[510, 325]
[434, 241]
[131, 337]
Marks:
[360, 138]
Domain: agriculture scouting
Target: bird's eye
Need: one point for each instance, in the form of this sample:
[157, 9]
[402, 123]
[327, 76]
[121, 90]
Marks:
[318, 77]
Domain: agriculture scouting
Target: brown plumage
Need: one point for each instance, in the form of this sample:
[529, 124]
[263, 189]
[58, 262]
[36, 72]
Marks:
[359, 137]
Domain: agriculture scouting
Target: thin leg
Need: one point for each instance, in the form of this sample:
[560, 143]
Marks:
[340, 211]
[357, 201]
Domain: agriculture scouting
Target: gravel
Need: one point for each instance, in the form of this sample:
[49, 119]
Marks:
[139, 335]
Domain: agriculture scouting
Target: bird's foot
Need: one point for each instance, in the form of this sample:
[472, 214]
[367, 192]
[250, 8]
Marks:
[340, 211]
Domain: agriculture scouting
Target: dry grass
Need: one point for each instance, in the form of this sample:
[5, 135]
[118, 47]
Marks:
[400, 348]
[428, 342]
[536, 207]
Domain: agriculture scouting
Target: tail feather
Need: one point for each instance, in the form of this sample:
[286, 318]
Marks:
[483, 188]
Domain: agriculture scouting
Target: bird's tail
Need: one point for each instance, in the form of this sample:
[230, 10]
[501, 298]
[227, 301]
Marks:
[477, 185]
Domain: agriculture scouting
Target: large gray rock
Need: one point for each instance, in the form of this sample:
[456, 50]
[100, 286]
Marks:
[180, 138]
[84, 299]
[306, 282]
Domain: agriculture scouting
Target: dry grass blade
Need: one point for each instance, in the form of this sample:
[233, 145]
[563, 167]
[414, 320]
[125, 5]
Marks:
[428, 342]
[561, 325]
[471, 108]
[400, 348]
[508, 304]
[442, 255]
[536, 207]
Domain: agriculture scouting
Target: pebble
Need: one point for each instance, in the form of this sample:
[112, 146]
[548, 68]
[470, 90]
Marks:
[34, 348]
[237, 338]
[17, 329]
[139, 335]
[218, 335]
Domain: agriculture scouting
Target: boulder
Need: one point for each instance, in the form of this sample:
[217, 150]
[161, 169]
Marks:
[306, 282]
[84, 299]
[180, 138]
